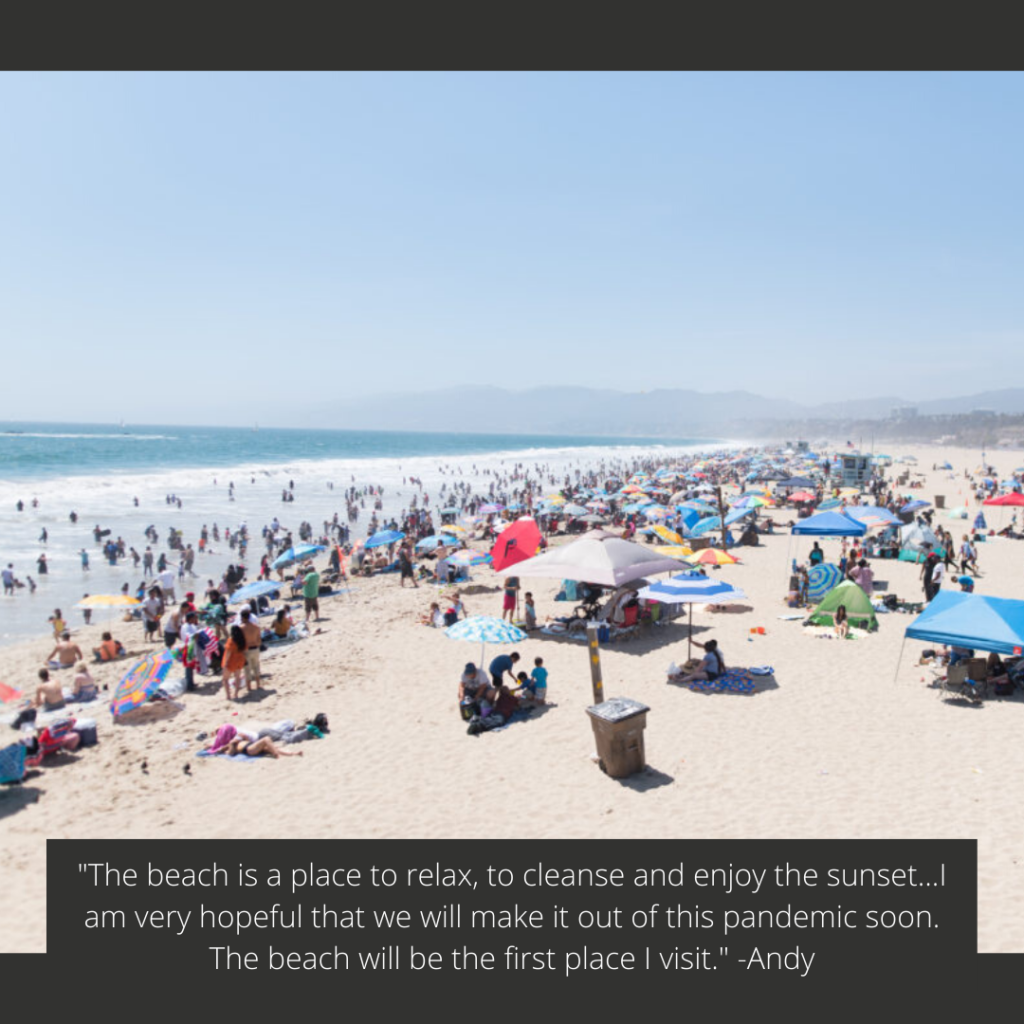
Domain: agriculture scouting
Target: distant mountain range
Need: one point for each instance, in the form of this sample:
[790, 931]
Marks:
[658, 413]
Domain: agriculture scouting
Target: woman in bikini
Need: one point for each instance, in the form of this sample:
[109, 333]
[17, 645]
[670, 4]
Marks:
[256, 748]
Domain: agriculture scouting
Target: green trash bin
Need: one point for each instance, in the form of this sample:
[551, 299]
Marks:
[618, 726]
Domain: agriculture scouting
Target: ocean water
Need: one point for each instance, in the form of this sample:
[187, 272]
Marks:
[97, 471]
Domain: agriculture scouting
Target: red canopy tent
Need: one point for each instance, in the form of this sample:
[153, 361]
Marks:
[1012, 498]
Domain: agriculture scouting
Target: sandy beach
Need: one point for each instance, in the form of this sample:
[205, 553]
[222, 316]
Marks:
[845, 746]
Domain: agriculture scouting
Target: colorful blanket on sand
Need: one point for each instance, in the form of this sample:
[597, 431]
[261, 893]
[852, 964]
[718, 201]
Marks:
[733, 680]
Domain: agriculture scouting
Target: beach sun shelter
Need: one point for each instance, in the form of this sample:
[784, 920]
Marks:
[858, 607]
[826, 524]
[975, 621]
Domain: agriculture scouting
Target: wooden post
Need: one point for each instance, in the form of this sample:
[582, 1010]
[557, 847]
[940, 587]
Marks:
[595, 664]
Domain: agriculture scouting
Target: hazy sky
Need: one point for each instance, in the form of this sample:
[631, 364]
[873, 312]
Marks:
[200, 244]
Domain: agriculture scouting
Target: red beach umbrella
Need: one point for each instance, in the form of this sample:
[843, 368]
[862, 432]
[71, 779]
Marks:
[517, 543]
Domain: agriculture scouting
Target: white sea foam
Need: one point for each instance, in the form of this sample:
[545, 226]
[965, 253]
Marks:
[107, 500]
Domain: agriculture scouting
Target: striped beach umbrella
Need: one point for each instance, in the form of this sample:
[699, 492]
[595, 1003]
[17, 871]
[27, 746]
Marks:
[712, 556]
[140, 682]
[467, 557]
[667, 535]
[821, 579]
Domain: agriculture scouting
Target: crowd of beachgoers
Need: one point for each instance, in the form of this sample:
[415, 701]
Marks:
[386, 617]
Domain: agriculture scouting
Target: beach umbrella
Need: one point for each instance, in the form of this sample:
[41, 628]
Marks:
[598, 506]
[516, 544]
[712, 556]
[802, 496]
[825, 506]
[913, 506]
[383, 537]
[468, 557]
[657, 512]
[491, 509]
[107, 601]
[750, 501]
[691, 589]
[140, 682]
[450, 511]
[431, 542]
[670, 536]
[9, 693]
[296, 554]
[705, 526]
[593, 518]
[599, 557]
[673, 550]
[821, 578]
[449, 528]
[254, 590]
[485, 629]
[573, 509]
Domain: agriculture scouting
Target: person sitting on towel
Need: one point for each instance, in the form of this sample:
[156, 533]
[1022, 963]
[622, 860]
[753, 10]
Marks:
[712, 665]
[49, 694]
[84, 685]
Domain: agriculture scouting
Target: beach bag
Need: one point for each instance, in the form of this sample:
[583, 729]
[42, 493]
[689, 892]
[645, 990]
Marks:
[86, 728]
[12, 763]
[468, 709]
[451, 617]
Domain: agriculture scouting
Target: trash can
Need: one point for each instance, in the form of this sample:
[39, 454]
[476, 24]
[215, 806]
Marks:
[940, 501]
[619, 726]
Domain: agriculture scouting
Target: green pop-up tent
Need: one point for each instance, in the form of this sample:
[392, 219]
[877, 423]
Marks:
[858, 607]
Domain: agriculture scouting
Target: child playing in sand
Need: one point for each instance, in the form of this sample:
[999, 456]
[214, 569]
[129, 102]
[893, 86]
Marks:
[434, 617]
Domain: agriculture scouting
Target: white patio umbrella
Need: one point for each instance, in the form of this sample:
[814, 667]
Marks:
[602, 558]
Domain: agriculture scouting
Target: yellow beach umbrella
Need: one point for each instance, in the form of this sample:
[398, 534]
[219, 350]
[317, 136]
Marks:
[670, 536]
[712, 556]
[673, 550]
[107, 601]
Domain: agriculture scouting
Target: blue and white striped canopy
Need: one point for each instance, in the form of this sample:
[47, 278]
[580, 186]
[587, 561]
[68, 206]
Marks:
[485, 629]
[691, 589]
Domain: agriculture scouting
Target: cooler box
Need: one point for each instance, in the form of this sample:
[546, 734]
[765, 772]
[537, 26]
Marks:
[619, 726]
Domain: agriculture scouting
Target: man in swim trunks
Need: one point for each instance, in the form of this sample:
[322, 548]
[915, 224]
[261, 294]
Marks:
[253, 639]
[65, 653]
[49, 694]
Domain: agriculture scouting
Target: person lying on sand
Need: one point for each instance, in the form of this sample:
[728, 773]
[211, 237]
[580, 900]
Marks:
[256, 748]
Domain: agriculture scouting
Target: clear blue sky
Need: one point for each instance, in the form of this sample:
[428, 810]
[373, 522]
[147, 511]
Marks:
[220, 236]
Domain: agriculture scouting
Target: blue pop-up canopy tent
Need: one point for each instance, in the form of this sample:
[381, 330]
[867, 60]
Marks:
[830, 524]
[971, 620]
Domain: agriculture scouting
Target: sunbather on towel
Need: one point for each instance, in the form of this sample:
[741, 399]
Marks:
[256, 748]
[84, 685]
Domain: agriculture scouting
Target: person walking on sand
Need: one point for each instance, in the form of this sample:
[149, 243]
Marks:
[311, 594]
[405, 565]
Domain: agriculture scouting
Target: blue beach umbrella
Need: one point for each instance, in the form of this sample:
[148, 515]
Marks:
[913, 506]
[431, 542]
[575, 510]
[485, 629]
[296, 554]
[253, 590]
[384, 537]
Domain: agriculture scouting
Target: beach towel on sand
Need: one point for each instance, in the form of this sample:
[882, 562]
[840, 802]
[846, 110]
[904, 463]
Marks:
[733, 680]
[227, 757]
